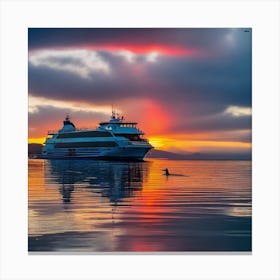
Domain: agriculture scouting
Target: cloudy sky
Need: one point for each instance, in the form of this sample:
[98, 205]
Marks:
[189, 88]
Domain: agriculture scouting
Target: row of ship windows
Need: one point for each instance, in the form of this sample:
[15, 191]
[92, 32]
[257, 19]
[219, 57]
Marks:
[85, 134]
[133, 137]
[85, 144]
[127, 125]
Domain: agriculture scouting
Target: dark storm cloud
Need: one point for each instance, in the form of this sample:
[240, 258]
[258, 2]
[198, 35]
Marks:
[214, 123]
[50, 113]
[218, 84]
[195, 89]
[51, 117]
[69, 37]
[99, 87]
[219, 81]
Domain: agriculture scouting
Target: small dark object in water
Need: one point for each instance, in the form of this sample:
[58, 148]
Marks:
[166, 172]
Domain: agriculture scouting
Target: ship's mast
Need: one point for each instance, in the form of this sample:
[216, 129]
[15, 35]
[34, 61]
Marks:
[116, 116]
[113, 112]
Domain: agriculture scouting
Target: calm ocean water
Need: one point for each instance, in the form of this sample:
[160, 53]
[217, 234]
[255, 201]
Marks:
[104, 206]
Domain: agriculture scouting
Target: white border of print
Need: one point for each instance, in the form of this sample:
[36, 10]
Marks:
[262, 16]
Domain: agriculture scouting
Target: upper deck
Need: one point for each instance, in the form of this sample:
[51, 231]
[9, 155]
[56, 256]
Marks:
[115, 125]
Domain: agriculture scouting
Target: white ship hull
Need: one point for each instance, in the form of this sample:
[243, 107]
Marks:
[111, 140]
[117, 153]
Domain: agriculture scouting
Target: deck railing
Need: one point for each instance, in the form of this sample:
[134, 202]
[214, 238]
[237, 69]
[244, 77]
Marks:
[51, 132]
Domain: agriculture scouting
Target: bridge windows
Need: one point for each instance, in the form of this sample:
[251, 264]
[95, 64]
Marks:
[128, 125]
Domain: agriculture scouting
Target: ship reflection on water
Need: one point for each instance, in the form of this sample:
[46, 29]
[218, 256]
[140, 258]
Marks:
[113, 180]
[111, 206]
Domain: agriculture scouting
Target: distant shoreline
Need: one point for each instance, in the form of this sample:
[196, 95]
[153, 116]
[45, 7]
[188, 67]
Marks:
[210, 159]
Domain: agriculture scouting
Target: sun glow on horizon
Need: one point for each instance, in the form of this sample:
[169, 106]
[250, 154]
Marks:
[174, 144]
[157, 142]
[39, 140]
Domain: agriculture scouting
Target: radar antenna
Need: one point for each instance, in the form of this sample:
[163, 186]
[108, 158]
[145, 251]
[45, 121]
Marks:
[113, 112]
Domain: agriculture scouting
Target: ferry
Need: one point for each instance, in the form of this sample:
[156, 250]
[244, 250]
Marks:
[114, 139]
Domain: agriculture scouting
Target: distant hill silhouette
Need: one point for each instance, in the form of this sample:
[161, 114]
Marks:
[202, 156]
[164, 154]
[36, 149]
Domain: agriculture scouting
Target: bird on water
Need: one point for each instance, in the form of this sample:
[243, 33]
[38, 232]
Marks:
[166, 172]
